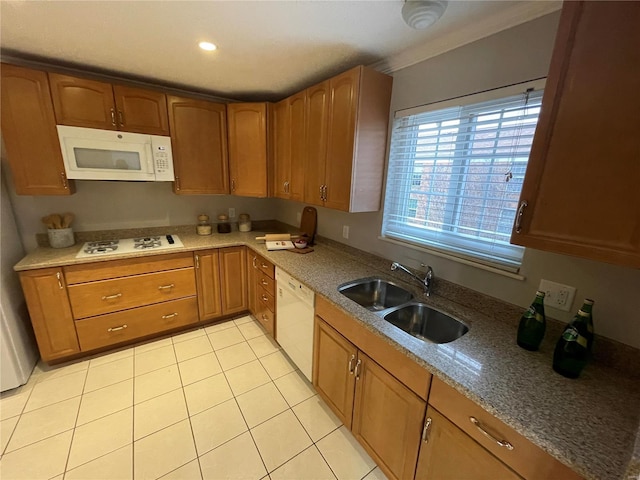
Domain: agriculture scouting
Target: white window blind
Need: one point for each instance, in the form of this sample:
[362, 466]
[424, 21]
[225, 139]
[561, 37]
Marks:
[455, 175]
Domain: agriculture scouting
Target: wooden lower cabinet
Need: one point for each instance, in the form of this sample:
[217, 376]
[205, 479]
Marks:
[233, 279]
[261, 290]
[45, 292]
[207, 265]
[450, 454]
[383, 414]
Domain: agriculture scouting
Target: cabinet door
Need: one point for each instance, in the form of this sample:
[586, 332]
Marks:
[141, 111]
[297, 145]
[447, 453]
[199, 143]
[340, 138]
[317, 114]
[581, 184]
[333, 369]
[281, 135]
[29, 133]
[387, 419]
[208, 284]
[233, 279]
[46, 295]
[81, 102]
[248, 148]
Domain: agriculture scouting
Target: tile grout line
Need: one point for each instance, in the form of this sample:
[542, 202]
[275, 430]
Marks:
[73, 434]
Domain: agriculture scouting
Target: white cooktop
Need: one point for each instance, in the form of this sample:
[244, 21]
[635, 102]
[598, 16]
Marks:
[129, 245]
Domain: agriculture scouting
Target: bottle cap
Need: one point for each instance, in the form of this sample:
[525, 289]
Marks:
[539, 293]
[588, 301]
[223, 217]
[203, 218]
[582, 313]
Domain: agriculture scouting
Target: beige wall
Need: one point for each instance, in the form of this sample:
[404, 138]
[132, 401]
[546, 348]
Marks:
[519, 54]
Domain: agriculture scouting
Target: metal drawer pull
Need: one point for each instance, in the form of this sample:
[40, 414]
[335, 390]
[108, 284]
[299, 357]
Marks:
[171, 315]
[264, 317]
[502, 443]
[163, 287]
[425, 430]
[353, 357]
[115, 329]
[111, 297]
[357, 369]
[264, 266]
[264, 298]
[264, 282]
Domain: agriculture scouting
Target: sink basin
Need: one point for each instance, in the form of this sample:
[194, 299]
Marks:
[375, 294]
[426, 323]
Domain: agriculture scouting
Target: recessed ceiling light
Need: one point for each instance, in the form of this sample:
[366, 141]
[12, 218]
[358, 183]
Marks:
[207, 46]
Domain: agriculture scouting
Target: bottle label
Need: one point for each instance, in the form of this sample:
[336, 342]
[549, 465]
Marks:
[572, 335]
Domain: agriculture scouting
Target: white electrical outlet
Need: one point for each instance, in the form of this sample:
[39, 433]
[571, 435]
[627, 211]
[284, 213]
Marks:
[232, 212]
[557, 295]
[345, 231]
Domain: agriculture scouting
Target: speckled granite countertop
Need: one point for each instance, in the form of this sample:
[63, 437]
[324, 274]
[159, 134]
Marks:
[590, 424]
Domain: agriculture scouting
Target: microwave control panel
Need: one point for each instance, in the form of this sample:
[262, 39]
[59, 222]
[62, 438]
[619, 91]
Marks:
[162, 158]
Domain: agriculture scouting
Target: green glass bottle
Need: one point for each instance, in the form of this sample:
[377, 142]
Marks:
[532, 324]
[574, 346]
[587, 307]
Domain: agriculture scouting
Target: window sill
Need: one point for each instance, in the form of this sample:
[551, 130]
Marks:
[464, 261]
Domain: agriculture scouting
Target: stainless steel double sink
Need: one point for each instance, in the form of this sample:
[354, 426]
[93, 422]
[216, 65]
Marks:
[397, 306]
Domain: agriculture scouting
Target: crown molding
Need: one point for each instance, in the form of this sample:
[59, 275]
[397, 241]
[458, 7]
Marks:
[516, 15]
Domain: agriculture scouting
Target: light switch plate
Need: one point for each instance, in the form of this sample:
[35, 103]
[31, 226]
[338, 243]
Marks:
[557, 295]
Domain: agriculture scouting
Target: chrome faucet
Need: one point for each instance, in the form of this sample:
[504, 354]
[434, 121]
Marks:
[427, 281]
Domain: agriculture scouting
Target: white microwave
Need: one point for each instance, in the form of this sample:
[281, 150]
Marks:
[93, 154]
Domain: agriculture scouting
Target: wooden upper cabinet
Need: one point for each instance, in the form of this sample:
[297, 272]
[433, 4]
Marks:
[581, 186]
[281, 148]
[141, 111]
[199, 143]
[317, 115]
[81, 102]
[248, 148]
[346, 140]
[29, 133]
[45, 292]
[289, 147]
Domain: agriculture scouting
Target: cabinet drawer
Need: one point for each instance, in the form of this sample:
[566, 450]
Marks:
[122, 268]
[265, 266]
[266, 282]
[265, 299]
[119, 327]
[267, 319]
[105, 296]
[526, 458]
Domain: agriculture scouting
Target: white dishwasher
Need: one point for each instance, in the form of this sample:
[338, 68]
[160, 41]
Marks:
[294, 320]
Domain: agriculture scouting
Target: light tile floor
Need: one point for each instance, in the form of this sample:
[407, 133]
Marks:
[220, 402]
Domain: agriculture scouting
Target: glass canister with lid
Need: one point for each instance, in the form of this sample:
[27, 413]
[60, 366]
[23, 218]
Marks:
[244, 222]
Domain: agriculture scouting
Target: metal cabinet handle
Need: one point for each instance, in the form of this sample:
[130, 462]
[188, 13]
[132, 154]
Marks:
[255, 259]
[113, 117]
[65, 185]
[521, 208]
[264, 317]
[59, 277]
[115, 329]
[164, 287]
[197, 261]
[264, 298]
[263, 282]
[321, 192]
[171, 315]
[177, 181]
[425, 430]
[353, 357]
[357, 369]
[501, 443]
[324, 195]
[233, 185]
[121, 118]
[111, 297]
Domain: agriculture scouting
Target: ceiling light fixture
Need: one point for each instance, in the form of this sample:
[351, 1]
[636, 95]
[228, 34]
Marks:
[421, 14]
[208, 46]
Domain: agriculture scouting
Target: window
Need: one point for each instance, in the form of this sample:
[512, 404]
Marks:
[455, 173]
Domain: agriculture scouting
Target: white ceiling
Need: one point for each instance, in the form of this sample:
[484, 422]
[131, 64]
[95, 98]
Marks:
[267, 49]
